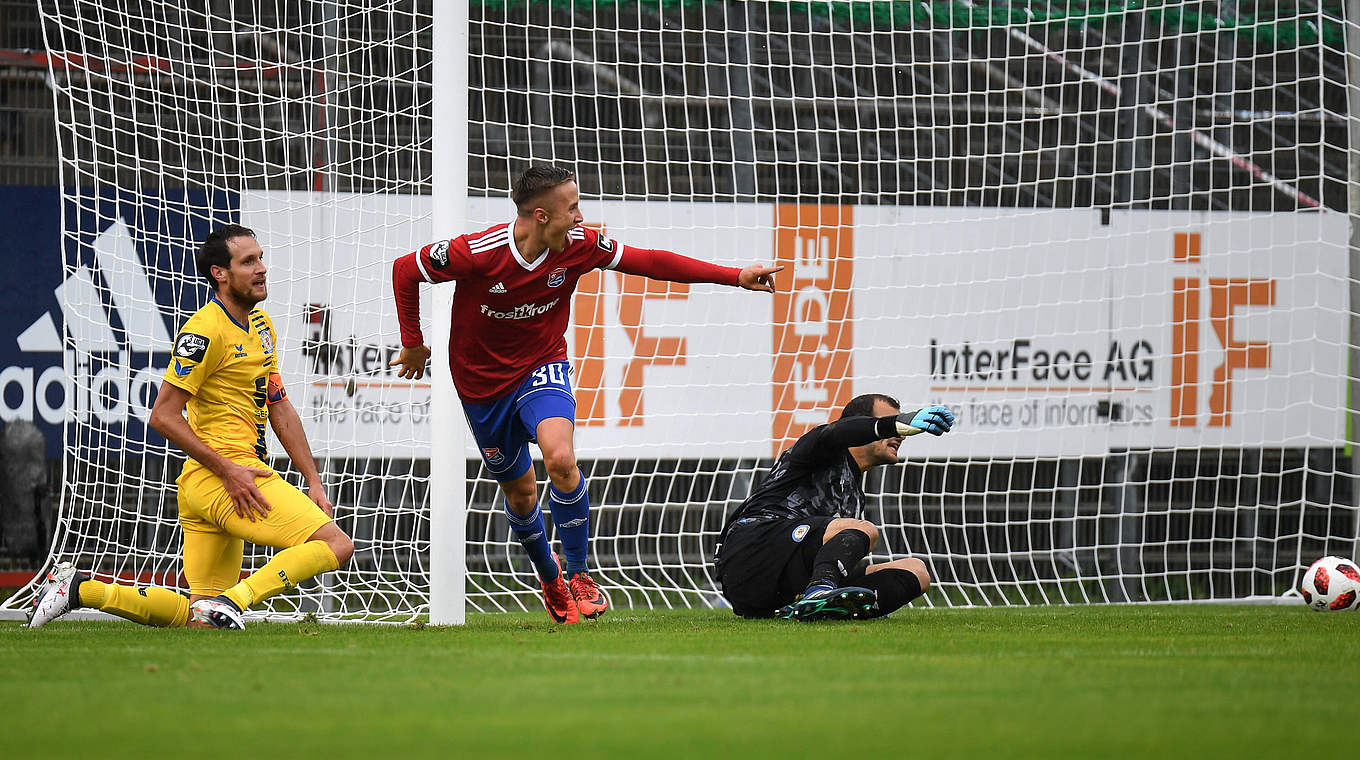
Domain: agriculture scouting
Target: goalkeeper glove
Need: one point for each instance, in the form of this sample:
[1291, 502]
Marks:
[936, 420]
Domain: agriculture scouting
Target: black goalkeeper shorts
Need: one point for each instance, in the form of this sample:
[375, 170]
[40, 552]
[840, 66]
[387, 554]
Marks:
[766, 562]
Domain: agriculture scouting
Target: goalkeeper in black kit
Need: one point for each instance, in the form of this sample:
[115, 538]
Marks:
[795, 548]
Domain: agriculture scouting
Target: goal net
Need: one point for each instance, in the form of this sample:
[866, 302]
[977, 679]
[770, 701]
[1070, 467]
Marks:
[1114, 238]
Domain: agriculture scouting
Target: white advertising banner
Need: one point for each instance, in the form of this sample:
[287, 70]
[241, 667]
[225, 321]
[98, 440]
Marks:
[676, 370]
[1050, 333]
[330, 295]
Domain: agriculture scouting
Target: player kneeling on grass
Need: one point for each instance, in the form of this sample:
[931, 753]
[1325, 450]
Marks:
[794, 548]
[224, 368]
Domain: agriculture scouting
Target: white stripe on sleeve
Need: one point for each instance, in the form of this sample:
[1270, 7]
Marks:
[617, 255]
[421, 267]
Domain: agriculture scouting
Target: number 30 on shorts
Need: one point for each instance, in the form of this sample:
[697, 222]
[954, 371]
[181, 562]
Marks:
[550, 374]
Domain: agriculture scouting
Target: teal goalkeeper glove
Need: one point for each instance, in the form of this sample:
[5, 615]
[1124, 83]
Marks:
[936, 420]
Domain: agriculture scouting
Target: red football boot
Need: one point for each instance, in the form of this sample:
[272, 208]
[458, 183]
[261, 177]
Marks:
[558, 600]
[590, 600]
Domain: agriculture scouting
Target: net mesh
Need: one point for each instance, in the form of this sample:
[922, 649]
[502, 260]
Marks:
[1112, 237]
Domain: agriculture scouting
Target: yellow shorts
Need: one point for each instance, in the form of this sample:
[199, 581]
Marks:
[214, 534]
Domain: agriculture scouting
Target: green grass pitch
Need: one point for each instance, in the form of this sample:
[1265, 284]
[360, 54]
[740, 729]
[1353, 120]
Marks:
[1120, 681]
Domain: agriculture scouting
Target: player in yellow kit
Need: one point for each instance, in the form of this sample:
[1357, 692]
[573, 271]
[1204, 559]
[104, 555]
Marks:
[224, 369]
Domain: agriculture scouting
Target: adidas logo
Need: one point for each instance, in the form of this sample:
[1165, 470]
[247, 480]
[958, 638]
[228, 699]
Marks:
[498, 288]
[120, 282]
[130, 288]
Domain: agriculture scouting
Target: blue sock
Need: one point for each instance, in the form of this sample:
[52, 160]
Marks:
[571, 514]
[532, 535]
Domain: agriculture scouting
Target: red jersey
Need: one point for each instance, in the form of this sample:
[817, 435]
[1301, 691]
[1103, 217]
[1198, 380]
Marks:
[511, 315]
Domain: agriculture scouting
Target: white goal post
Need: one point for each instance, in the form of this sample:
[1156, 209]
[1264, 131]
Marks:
[1118, 241]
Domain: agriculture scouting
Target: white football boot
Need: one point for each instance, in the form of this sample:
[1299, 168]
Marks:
[56, 596]
[218, 613]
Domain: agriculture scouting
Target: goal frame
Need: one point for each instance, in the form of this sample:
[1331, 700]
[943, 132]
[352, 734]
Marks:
[461, 500]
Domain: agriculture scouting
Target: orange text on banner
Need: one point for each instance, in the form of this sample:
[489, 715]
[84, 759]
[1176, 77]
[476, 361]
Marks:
[1184, 351]
[647, 350]
[813, 308]
[588, 314]
[590, 322]
[1226, 294]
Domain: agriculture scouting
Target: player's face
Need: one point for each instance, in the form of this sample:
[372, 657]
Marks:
[245, 279]
[562, 207]
[884, 451]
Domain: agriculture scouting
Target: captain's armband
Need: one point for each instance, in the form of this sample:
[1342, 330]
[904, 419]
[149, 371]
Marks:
[275, 391]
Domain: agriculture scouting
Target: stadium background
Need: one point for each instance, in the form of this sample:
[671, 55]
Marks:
[781, 140]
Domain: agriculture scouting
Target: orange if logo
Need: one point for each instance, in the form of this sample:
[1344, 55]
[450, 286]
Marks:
[590, 323]
[813, 309]
[1226, 294]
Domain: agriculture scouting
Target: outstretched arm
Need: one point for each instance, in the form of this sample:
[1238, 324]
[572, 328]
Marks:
[848, 432]
[664, 265]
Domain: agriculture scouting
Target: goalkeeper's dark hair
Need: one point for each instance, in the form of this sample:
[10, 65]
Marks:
[535, 181]
[215, 252]
[863, 406]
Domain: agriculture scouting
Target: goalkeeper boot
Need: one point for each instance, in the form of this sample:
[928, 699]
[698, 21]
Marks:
[558, 600]
[217, 612]
[590, 600]
[58, 595]
[827, 602]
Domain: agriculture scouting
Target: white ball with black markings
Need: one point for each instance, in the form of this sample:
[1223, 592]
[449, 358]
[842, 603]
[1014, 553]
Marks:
[1332, 584]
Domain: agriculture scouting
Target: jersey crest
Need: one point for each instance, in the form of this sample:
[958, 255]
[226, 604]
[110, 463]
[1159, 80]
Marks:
[557, 277]
[267, 340]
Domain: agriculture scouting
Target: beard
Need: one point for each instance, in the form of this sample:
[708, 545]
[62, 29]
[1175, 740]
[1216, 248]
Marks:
[246, 294]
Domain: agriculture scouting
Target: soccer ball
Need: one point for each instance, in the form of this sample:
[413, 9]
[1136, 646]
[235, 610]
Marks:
[1331, 584]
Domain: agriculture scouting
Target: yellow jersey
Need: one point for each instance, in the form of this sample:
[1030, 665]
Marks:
[232, 371]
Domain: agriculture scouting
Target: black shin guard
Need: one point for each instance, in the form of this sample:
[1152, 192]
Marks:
[895, 588]
[838, 556]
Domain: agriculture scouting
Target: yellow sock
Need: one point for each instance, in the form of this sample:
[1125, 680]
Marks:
[92, 593]
[285, 571]
[160, 607]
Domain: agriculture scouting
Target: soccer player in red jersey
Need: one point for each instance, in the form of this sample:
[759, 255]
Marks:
[508, 356]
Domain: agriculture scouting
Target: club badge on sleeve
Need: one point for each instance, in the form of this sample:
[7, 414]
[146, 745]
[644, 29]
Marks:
[191, 347]
[439, 254]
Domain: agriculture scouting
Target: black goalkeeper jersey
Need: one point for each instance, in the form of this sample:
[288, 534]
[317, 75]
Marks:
[815, 477]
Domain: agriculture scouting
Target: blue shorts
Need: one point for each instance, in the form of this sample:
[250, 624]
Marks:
[504, 428]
